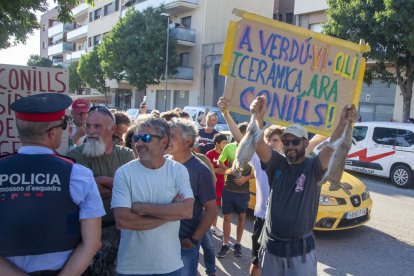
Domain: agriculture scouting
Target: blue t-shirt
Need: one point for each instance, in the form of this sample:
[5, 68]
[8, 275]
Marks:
[202, 183]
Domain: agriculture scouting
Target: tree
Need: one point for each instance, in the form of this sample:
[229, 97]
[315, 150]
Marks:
[91, 72]
[36, 60]
[18, 18]
[75, 81]
[135, 49]
[388, 26]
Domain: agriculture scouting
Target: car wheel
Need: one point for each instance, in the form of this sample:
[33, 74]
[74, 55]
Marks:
[401, 176]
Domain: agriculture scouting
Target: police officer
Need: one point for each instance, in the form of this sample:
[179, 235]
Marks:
[50, 207]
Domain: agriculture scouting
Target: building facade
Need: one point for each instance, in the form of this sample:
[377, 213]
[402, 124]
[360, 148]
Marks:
[199, 27]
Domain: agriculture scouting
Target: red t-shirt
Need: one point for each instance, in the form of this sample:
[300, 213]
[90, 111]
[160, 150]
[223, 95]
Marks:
[213, 155]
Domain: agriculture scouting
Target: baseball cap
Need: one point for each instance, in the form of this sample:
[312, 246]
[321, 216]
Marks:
[296, 130]
[45, 107]
[80, 105]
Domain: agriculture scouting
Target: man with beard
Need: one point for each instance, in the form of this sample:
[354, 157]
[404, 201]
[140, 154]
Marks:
[103, 157]
[183, 135]
[287, 239]
[79, 110]
[50, 207]
[205, 141]
[148, 208]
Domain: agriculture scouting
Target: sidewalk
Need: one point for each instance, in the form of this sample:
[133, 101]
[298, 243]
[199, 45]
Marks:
[231, 265]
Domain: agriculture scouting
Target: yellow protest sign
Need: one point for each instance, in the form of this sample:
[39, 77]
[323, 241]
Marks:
[306, 77]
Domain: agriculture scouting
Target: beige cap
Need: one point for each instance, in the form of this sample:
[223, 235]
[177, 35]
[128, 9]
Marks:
[296, 130]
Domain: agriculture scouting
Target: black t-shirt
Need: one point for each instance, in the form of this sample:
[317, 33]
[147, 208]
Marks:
[206, 140]
[294, 199]
[202, 184]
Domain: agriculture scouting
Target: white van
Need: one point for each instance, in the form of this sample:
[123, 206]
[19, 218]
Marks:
[384, 149]
[196, 111]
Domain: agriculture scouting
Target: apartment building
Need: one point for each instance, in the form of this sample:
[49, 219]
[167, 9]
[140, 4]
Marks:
[378, 102]
[199, 27]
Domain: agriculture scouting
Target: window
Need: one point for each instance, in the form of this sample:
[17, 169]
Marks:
[186, 22]
[385, 136]
[116, 5]
[89, 41]
[289, 18]
[405, 138]
[97, 39]
[359, 133]
[107, 9]
[90, 17]
[98, 13]
[43, 45]
[184, 59]
[43, 27]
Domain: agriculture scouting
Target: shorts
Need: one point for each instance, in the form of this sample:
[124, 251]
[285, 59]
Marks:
[233, 202]
[257, 230]
[273, 265]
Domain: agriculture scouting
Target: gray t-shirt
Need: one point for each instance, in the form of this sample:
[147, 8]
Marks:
[202, 184]
[294, 200]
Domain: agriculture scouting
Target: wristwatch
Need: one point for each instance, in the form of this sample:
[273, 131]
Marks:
[193, 241]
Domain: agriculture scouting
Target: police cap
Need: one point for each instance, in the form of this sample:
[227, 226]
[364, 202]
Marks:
[45, 107]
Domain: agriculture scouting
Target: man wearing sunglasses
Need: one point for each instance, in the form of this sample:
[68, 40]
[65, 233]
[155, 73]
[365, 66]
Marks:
[151, 194]
[100, 154]
[287, 239]
[50, 206]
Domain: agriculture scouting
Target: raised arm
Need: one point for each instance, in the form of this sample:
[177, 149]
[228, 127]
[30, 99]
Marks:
[223, 106]
[348, 114]
[263, 150]
[83, 254]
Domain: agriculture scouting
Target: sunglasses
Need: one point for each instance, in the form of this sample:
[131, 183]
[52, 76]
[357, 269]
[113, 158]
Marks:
[102, 109]
[63, 125]
[294, 142]
[146, 138]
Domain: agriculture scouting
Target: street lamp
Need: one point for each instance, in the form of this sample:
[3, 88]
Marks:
[166, 59]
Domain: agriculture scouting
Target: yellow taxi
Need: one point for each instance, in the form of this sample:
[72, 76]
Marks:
[337, 209]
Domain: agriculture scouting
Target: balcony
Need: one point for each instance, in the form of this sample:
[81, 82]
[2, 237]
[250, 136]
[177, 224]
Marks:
[183, 73]
[184, 37]
[59, 49]
[171, 6]
[80, 10]
[59, 28]
[75, 55]
[77, 34]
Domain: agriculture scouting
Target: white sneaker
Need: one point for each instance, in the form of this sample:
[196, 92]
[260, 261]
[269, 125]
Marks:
[217, 232]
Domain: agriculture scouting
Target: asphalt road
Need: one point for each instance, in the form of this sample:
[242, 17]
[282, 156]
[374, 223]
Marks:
[383, 246]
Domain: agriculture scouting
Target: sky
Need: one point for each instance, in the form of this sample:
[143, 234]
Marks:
[20, 54]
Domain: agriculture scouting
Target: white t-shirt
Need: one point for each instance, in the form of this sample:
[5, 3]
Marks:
[262, 187]
[155, 251]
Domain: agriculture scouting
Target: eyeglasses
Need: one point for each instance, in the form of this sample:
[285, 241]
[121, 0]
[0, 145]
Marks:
[102, 109]
[146, 138]
[63, 125]
[294, 142]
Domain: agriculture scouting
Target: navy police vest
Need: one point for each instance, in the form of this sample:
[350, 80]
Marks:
[37, 213]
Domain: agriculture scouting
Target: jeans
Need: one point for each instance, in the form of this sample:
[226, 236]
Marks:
[189, 256]
[207, 244]
[174, 273]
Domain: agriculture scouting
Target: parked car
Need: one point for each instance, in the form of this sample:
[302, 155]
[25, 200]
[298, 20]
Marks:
[383, 149]
[196, 111]
[337, 210]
